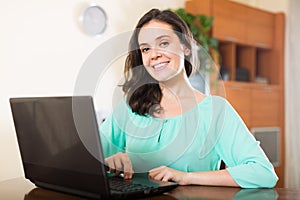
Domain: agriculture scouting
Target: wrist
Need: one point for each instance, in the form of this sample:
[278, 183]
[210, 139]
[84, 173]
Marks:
[188, 178]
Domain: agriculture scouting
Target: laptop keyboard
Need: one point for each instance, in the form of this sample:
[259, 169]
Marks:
[121, 185]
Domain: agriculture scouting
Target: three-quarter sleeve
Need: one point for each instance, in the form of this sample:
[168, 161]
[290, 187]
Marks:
[113, 139]
[246, 161]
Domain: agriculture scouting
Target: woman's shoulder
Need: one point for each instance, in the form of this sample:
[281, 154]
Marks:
[213, 99]
[216, 104]
[208, 98]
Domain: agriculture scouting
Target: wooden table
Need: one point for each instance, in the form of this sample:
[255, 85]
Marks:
[20, 188]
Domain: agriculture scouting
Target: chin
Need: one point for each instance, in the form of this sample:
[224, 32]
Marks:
[165, 75]
[164, 79]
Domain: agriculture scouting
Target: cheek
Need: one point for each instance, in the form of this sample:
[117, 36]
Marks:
[175, 53]
[145, 60]
[177, 58]
[146, 63]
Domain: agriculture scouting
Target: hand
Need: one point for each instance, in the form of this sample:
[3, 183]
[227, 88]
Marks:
[164, 173]
[118, 163]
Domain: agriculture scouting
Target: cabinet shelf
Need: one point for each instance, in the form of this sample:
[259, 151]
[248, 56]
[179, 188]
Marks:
[254, 62]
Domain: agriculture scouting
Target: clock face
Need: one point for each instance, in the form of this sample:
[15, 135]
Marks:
[94, 20]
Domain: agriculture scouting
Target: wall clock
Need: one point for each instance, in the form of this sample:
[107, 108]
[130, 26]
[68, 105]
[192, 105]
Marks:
[93, 20]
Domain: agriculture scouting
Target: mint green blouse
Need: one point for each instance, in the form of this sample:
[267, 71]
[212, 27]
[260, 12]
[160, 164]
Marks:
[195, 141]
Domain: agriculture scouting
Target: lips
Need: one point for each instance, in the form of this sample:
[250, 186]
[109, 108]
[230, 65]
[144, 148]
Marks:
[160, 66]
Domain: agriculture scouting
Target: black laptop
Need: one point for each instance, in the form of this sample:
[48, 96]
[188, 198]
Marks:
[60, 148]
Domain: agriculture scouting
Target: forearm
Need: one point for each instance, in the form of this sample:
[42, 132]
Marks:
[213, 178]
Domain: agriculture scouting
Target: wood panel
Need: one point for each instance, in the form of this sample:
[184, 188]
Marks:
[239, 96]
[230, 21]
[246, 58]
[265, 106]
[265, 66]
[278, 59]
[228, 58]
[199, 7]
[260, 28]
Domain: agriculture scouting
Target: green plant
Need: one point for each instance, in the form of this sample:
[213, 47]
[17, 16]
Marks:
[200, 26]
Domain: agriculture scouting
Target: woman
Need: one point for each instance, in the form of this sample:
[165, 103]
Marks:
[168, 128]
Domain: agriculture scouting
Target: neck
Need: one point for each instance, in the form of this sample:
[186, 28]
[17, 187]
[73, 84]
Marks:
[178, 96]
[178, 85]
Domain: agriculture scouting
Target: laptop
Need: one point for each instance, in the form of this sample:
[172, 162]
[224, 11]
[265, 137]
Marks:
[60, 147]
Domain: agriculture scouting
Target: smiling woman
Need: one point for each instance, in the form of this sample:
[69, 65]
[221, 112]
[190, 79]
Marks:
[169, 129]
[163, 38]
[162, 52]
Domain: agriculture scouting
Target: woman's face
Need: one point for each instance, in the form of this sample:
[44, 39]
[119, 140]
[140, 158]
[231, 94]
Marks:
[162, 52]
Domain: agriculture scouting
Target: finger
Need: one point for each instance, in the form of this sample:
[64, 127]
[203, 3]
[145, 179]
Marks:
[157, 168]
[128, 175]
[111, 165]
[118, 164]
[153, 174]
[158, 175]
[118, 168]
[156, 171]
[168, 176]
[127, 165]
[106, 165]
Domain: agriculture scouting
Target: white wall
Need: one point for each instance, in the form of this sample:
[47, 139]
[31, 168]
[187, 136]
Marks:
[270, 5]
[42, 51]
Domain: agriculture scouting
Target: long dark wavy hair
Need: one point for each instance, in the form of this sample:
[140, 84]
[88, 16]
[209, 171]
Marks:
[143, 93]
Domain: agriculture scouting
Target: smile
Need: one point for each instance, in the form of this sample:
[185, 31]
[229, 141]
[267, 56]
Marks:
[160, 66]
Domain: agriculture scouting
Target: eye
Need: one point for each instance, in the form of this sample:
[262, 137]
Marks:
[145, 49]
[164, 44]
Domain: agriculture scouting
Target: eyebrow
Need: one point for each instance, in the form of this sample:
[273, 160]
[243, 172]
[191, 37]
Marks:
[158, 38]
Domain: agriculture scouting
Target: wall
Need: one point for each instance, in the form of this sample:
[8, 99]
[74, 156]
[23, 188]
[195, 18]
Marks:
[42, 51]
[270, 5]
[292, 93]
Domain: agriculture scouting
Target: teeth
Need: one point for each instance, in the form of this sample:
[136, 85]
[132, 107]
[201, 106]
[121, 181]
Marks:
[159, 65]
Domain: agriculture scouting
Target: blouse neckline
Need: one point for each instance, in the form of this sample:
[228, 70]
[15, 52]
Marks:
[202, 102]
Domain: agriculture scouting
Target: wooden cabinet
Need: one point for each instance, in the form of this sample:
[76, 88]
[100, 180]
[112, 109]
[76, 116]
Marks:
[258, 62]
[225, 11]
[257, 104]
[237, 22]
[251, 41]
[260, 28]
[265, 108]
[239, 96]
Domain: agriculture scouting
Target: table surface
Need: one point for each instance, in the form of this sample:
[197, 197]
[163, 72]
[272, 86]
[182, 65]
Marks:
[21, 188]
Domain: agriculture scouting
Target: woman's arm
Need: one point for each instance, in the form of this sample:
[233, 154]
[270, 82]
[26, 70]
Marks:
[212, 178]
[113, 142]
[248, 166]
[216, 178]
[247, 163]
[112, 138]
[118, 163]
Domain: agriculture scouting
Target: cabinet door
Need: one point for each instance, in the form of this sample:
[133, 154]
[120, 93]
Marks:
[239, 96]
[230, 21]
[265, 106]
[260, 28]
[199, 7]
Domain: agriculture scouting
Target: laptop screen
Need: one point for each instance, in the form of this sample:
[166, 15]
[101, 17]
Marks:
[53, 136]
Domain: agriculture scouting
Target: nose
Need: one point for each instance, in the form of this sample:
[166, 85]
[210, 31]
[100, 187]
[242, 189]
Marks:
[155, 53]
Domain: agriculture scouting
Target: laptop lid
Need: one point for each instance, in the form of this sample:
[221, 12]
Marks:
[53, 135]
[60, 146]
